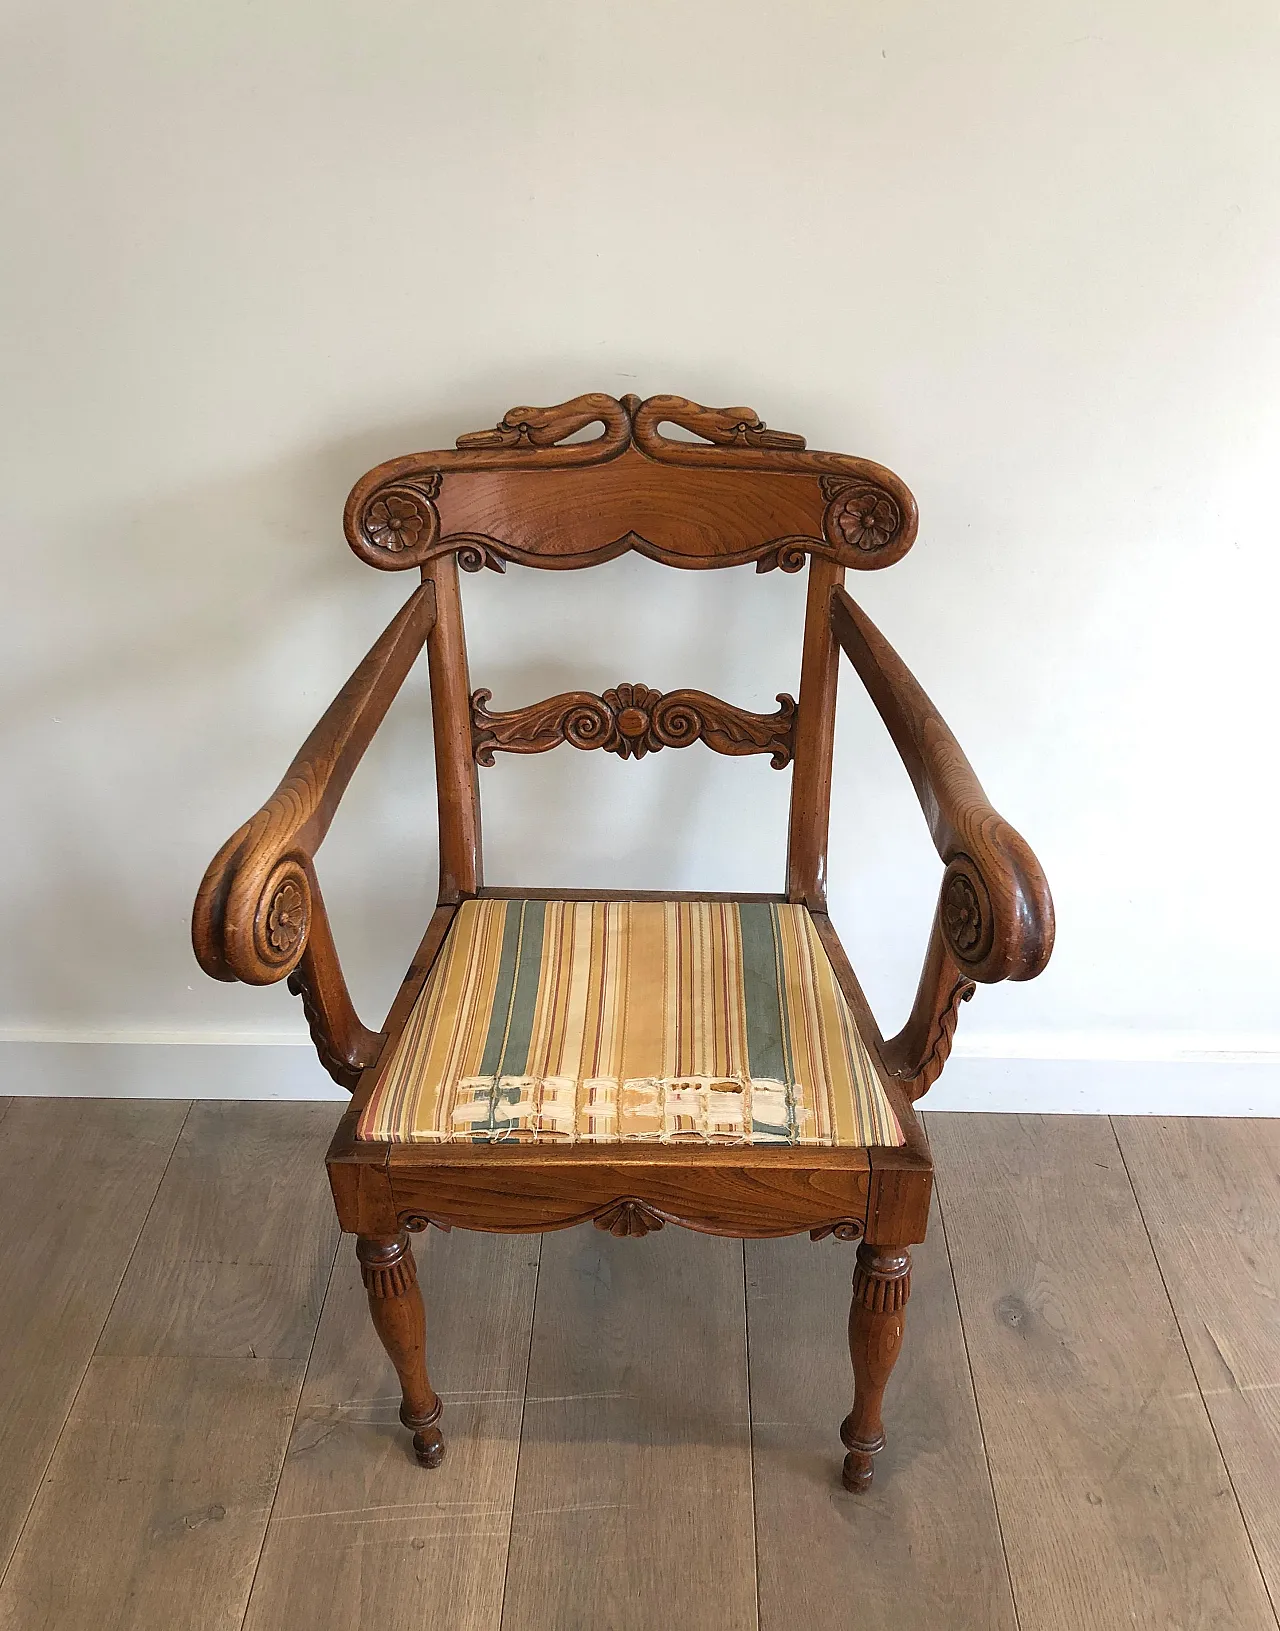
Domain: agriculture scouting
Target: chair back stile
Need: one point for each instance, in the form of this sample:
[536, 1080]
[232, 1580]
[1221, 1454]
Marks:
[457, 787]
[814, 744]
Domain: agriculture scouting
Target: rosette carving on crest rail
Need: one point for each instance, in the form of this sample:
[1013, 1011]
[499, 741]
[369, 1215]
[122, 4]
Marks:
[863, 516]
[632, 720]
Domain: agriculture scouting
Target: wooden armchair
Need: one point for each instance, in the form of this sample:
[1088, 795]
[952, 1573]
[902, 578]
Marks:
[633, 1060]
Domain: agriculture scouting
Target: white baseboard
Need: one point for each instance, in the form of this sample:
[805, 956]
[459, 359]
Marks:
[1174, 1078]
[1117, 1087]
[164, 1070]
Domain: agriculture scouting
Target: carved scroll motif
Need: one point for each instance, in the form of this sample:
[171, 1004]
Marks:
[941, 1039]
[392, 520]
[342, 1070]
[632, 720]
[845, 1229]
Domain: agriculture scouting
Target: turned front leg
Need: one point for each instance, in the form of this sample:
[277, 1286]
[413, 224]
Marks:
[881, 1286]
[395, 1301]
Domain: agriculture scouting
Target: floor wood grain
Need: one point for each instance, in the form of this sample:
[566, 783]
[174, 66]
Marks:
[153, 1511]
[923, 1547]
[61, 1263]
[166, 1468]
[633, 1502]
[237, 1250]
[1094, 1325]
[1210, 1195]
[361, 1536]
[1114, 1501]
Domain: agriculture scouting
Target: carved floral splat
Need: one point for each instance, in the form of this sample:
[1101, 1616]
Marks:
[632, 720]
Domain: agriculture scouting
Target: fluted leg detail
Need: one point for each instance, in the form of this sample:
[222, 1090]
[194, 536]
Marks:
[881, 1286]
[395, 1301]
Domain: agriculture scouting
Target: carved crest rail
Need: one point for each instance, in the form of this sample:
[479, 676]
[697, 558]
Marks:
[632, 720]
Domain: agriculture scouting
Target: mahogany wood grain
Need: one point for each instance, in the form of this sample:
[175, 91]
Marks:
[61, 1261]
[1210, 1197]
[995, 909]
[814, 739]
[390, 1277]
[738, 492]
[232, 933]
[513, 494]
[924, 1548]
[632, 720]
[457, 792]
[916, 1055]
[346, 1047]
[359, 1536]
[877, 1313]
[259, 915]
[1115, 1503]
[633, 1501]
[743, 1192]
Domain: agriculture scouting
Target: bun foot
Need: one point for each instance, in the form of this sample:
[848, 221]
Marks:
[858, 1472]
[859, 1464]
[428, 1440]
[428, 1446]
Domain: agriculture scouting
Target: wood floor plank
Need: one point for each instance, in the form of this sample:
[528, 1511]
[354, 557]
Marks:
[153, 1511]
[165, 1470]
[1210, 1195]
[79, 1175]
[361, 1536]
[633, 1501]
[237, 1251]
[922, 1547]
[1114, 1501]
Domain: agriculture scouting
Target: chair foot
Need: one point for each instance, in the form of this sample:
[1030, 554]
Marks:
[859, 1465]
[395, 1303]
[428, 1440]
[881, 1286]
[428, 1447]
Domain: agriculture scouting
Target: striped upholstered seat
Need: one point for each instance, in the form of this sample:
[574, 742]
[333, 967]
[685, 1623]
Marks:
[605, 1021]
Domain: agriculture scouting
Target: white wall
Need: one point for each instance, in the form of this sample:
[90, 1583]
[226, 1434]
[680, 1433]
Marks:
[1029, 256]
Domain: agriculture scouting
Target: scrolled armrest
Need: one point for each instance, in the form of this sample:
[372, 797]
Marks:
[260, 904]
[995, 913]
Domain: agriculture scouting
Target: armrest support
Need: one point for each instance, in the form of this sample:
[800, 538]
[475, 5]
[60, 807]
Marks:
[259, 915]
[995, 913]
[994, 919]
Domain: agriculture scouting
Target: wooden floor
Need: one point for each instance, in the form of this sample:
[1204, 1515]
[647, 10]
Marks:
[198, 1429]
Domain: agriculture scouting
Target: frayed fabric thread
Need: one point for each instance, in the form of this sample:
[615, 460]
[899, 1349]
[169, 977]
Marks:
[646, 1109]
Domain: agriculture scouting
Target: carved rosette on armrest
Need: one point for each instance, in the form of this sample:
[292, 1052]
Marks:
[259, 915]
